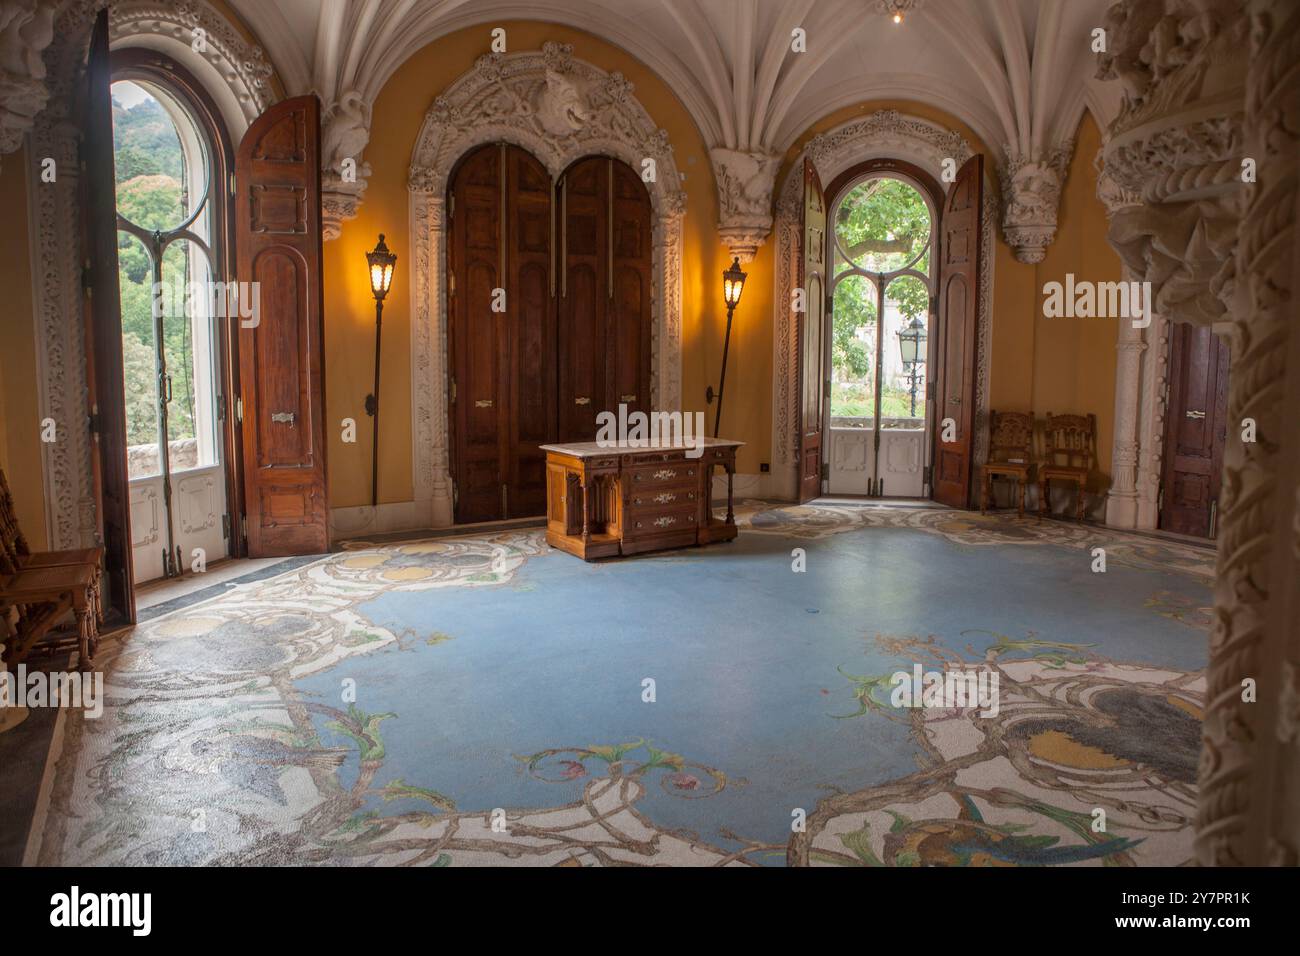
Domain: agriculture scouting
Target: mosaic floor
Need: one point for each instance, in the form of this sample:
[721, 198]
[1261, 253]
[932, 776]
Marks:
[484, 700]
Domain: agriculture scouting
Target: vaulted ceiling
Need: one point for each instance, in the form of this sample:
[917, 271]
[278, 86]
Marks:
[1018, 72]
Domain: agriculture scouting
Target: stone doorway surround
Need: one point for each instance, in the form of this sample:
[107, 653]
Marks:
[883, 134]
[560, 109]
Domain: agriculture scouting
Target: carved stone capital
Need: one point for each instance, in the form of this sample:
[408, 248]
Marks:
[1031, 199]
[745, 182]
[26, 29]
[345, 131]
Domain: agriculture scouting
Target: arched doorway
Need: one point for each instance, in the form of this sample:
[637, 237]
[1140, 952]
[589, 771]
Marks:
[882, 238]
[549, 319]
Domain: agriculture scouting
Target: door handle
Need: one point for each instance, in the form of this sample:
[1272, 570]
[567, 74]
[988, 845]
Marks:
[955, 400]
[483, 403]
[283, 418]
[627, 399]
[582, 401]
[1195, 413]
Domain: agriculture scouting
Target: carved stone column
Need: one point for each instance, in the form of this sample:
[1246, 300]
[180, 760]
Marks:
[1211, 95]
[1249, 811]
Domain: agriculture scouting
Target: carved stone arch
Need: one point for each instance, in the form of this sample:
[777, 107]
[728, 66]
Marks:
[235, 72]
[559, 109]
[883, 134]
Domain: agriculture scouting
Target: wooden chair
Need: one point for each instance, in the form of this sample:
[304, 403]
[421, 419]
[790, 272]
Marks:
[38, 590]
[1010, 437]
[1071, 456]
[15, 544]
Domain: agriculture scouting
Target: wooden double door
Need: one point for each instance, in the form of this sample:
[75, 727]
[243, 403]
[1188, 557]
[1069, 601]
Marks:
[549, 317]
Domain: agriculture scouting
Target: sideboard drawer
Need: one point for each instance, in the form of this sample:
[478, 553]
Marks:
[643, 500]
[667, 474]
[663, 521]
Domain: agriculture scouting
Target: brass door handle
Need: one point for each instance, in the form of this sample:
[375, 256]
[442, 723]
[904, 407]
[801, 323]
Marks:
[627, 398]
[582, 401]
[483, 403]
[283, 418]
[1195, 413]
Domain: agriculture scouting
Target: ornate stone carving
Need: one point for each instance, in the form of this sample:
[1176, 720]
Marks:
[26, 29]
[1031, 199]
[745, 181]
[559, 109]
[883, 133]
[1199, 99]
[345, 131]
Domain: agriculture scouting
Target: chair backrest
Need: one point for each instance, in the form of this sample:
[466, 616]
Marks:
[1010, 436]
[13, 546]
[1071, 440]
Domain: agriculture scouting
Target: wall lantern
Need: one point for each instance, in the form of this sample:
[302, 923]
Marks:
[733, 284]
[380, 262]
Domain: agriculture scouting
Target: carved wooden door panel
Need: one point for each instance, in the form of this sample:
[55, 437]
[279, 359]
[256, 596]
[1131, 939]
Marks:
[529, 338]
[629, 323]
[501, 333]
[104, 322]
[1196, 427]
[583, 240]
[812, 368]
[281, 348]
[959, 278]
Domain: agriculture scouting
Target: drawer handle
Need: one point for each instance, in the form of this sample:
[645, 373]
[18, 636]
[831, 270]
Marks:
[582, 401]
[665, 497]
[483, 403]
[663, 474]
[665, 521]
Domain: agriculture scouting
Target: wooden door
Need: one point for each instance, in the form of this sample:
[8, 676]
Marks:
[959, 279]
[1196, 427]
[584, 292]
[811, 323]
[106, 386]
[629, 321]
[281, 348]
[529, 339]
[503, 359]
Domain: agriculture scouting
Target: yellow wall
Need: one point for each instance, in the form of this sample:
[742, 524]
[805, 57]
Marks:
[20, 454]
[1039, 364]
[1047, 364]
[349, 316]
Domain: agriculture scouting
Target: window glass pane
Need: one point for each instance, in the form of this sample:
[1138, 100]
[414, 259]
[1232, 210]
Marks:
[135, 278]
[159, 180]
[882, 225]
[902, 391]
[853, 346]
[188, 338]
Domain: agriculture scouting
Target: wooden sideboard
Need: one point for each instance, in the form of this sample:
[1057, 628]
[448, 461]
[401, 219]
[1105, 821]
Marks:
[604, 501]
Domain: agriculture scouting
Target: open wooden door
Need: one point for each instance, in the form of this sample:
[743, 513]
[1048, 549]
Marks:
[1196, 429]
[959, 282]
[105, 384]
[812, 322]
[281, 347]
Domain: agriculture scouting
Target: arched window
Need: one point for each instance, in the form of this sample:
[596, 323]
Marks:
[170, 169]
[882, 252]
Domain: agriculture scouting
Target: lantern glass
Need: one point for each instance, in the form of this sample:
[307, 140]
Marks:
[911, 342]
[381, 262]
[733, 284]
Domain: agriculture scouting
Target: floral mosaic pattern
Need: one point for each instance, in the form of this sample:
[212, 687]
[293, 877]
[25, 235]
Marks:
[210, 752]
